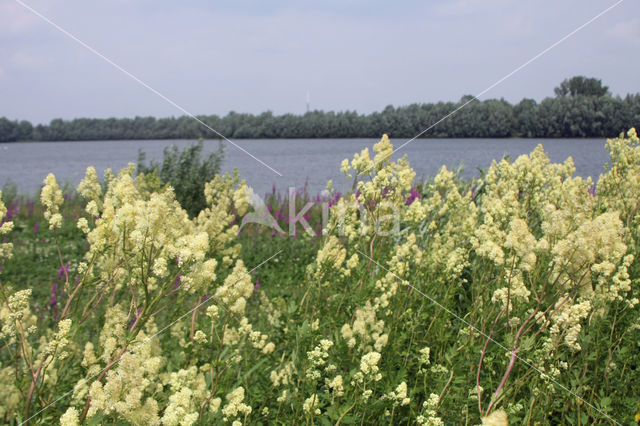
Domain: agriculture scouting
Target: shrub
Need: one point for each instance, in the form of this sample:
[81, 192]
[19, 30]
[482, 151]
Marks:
[186, 172]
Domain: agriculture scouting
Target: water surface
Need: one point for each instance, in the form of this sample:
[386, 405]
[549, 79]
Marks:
[314, 161]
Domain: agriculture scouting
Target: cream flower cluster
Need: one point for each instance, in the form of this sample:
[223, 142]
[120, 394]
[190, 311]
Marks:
[379, 199]
[91, 190]
[369, 369]
[60, 340]
[366, 329]
[399, 396]
[336, 385]
[567, 321]
[127, 384]
[235, 405]
[497, 418]
[189, 392]
[318, 359]
[5, 228]
[450, 219]
[430, 414]
[619, 186]
[282, 376]
[310, 405]
[51, 198]
[143, 245]
[17, 317]
[227, 197]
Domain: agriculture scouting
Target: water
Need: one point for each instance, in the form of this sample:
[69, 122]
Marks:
[314, 161]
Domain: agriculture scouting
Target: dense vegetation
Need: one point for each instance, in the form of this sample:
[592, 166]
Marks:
[186, 172]
[510, 298]
[582, 108]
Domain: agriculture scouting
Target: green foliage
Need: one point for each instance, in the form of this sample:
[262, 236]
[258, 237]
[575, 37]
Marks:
[581, 108]
[9, 192]
[581, 86]
[186, 171]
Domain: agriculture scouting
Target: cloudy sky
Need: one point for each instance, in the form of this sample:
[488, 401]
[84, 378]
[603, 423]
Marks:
[251, 56]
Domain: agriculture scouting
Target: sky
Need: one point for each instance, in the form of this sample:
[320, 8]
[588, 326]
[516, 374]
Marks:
[212, 57]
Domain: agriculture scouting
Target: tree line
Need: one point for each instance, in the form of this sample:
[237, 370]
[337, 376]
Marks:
[582, 107]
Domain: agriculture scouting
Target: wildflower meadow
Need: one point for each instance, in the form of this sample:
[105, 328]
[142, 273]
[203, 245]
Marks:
[512, 298]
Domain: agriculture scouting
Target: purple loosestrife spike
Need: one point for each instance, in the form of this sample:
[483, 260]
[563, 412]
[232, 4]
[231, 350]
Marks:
[413, 194]
[135, 317]
[256, 287]
[35, 228]
[63, 269]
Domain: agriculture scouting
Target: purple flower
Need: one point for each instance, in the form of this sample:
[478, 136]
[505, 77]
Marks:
[63, 271]
[35, 228]
[176, 283]
[257, 285]
[335, 198]
[413, 194]
[135, 317]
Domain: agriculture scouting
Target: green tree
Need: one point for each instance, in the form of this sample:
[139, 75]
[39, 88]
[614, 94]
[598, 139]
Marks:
[581, 86]
[8, 130]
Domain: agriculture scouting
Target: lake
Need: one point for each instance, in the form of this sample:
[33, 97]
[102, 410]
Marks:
[314, 161]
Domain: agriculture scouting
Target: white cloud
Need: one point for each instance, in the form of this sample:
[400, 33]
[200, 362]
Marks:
[626, 30]
[518, 25]
[466, 7]
[26, 60]
[16, 19]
